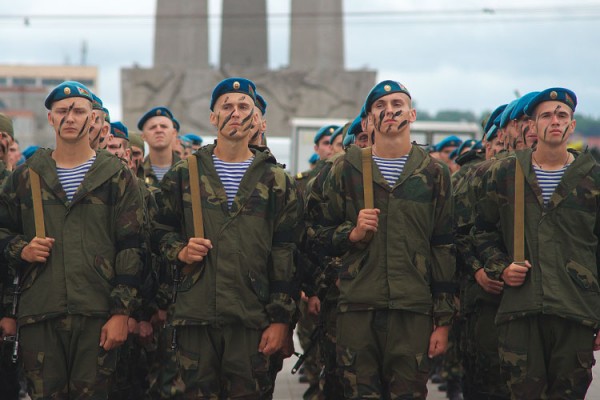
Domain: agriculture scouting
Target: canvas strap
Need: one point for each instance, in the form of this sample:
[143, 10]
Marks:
[196, 200]
[38, 211]
[519, 223]
[367, 174]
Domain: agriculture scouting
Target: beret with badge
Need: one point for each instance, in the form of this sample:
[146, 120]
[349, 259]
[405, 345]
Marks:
[66, 90]
[233, 85]
[354, 129]
[562, 95]
[383, 89]
[326, 130]
[96, 102]
[106, 114]
[119, 130]
[160, 111]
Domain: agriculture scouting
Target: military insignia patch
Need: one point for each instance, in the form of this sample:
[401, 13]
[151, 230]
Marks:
[83, 91]
[553, 95]
[67, 91]
[236, 85]
[331, 130]
[569, 100]
[387, 88]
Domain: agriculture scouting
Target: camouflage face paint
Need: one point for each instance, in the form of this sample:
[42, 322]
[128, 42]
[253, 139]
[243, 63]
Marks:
[380, 122]
[226, 121]
[82, 131]
[248, 118]
[62, 121]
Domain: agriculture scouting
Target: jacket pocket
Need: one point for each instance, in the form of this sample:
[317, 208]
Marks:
[422, 266]
[583, 277]
[259, 286]
[104, 268]
[352, 263]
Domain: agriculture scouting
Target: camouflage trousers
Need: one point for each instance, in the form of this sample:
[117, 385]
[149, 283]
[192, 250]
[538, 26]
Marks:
[9, 377]
[383, 354]
[218, 363]
[483, 378]
[330, 383]
[62, 359]
[546, 357]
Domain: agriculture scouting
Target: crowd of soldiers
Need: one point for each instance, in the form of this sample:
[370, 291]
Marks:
[185, 273]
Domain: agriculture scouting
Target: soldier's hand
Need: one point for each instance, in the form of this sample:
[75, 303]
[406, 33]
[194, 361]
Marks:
[145, 330]
[489, 285]
[195, 251]
[438, 341]
[314, 305]
[515, 274]
[114, 332]
[159, 318]
[38, 250]
[8, 327]
[132, 326]
[368, 220]
[273, 338]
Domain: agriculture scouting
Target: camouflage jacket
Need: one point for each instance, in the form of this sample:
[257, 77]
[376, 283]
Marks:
[561, 239]
[247, 275]
[94, 265]
[5, 278]
[149, 175]
[409, 264]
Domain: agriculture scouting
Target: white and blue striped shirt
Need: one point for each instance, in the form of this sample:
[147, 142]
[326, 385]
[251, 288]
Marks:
[160, 171]
[391, 168]
[71, 178]
[231, 174]
[548, 181]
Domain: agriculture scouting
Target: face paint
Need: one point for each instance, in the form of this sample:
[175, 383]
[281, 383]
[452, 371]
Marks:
[248, 118]
[82, 131]
[65, 118]
[402, 124]
[226, 120]
[380, 122]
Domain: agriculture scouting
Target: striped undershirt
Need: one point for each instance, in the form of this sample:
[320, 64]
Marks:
[391, 168]
[71, 178]
[160, 171]
[548, 180]
[231, 174]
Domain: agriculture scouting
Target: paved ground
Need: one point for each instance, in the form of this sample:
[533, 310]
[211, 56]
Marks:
[287, 386]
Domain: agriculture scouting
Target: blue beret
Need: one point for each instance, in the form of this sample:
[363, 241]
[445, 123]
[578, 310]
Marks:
[176, 124]
[467, 144]
[491, 133]
[336, 133]
[383, 89]
[233, 85]
[119, 130]
[505, 116]
[261, 104]
[553, 94]
[194, 139]
[327, 130]
[155, 112]
[477, 146]
[66, 90]
[519, 109]
[355, 127]
[348, 140]
[28, 152]
[314, 158]
[363, 112]
[106, 114]
[450, 141]
[96, 102]
[498, 111]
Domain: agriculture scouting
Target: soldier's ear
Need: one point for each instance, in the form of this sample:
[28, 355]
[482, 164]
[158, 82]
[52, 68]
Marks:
[213, 119]
[50, 118]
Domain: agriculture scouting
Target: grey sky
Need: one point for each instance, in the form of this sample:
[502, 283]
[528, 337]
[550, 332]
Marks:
[451, 55]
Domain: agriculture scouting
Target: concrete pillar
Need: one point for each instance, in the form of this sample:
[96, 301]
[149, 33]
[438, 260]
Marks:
[181, 34]
[244, 34]
[317, 35]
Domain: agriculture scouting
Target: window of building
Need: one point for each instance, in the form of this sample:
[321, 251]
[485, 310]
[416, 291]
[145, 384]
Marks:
[23, 81]
[51, 82]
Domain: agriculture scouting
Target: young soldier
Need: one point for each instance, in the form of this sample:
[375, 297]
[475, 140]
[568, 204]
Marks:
[98, 129]
[550, 309]
[396, 301]
[233, 307]
[79, 281]
[158, 130]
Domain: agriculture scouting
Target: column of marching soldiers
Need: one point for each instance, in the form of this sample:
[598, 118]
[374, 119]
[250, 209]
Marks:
[185, 273]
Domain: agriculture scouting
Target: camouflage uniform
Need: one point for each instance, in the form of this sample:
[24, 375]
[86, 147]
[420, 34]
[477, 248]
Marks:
[225, 302]
[479, 343]
[91, 273]
[546, 325]
[391, 295]
[8, 370]
[149, 175]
